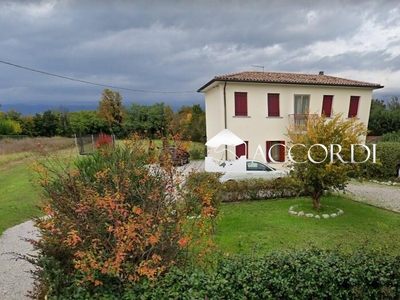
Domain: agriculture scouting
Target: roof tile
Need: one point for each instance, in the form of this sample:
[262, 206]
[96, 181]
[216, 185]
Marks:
[291, 78]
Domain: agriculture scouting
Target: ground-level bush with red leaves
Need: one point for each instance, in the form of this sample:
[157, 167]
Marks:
[113, 219]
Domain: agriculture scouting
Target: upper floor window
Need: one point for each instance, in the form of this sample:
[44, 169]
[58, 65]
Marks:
[240, 104]
[327, 105]
[273, 105]
[353, 107]
[301, 104]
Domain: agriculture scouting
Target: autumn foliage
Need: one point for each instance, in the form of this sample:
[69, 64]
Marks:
[104, 140]
[114, 219]
[325, 174]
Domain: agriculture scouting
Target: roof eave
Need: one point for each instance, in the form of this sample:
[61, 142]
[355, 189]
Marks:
[374, 87]
[200, 90]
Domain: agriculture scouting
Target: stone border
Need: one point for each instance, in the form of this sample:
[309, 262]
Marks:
[385, 182]
[316, 216]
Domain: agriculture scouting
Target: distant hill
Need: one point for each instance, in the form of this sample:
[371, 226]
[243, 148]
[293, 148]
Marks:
[32, 109]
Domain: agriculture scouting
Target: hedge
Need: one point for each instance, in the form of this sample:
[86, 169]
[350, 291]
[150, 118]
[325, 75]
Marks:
[388, 160]
[306, 274]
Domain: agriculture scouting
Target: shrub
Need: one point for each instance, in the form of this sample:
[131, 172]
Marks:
[196, 153]
[305, 274]
[390, 137]
[388, 161]
[257, 189]
[104, 140]
[112, 220]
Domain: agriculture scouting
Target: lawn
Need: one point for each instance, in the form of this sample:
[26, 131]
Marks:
[19, 201]
[263, 226]
[18, 197]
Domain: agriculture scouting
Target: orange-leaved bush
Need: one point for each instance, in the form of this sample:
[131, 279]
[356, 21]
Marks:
[114, 219]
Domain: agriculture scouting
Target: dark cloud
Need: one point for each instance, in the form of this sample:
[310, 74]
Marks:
[180, 45]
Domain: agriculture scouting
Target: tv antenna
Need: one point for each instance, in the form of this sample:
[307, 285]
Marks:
[258, 66]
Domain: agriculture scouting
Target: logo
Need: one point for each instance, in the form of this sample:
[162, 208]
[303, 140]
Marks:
[332, 153]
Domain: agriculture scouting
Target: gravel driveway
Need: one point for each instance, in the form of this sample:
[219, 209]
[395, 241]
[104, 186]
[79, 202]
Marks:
[15, 279]
[387, 197]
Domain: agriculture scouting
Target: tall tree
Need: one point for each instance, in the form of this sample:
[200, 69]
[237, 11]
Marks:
[314, 167]
[378, 118]
[64, 124]
[111, 109]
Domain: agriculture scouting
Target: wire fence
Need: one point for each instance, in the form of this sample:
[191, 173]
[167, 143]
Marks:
[87, 144]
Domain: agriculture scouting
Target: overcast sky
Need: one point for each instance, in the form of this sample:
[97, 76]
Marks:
[177, 46]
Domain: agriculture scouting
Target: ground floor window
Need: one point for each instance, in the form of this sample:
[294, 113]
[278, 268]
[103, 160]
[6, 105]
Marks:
[277, 151]
[242, 149]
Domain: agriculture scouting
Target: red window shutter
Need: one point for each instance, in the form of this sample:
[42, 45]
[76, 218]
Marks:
[353, 108]
[267, 148]
[327, 105]
[273, 105]
[240, 104]
[242, 150]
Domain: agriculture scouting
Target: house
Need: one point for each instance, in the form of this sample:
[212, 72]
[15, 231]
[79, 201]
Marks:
[258, 107]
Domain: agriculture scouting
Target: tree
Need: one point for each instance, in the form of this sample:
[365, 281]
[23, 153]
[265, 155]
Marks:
[190, 123]
[316, 170]
[111, 109]
[46, 124]
[384, 118]
[64, 124]
[88, 122]
[378, 118]
[146, 120]
[394, 103]
[28, 125]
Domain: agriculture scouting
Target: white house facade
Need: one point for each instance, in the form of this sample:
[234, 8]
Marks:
[259, 107]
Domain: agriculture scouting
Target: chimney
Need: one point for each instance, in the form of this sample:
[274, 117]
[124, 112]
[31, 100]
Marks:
[321, 73]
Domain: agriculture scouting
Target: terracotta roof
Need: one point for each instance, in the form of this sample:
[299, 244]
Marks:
[291, 78]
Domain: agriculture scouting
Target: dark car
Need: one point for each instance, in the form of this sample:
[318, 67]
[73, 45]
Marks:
[178, 156]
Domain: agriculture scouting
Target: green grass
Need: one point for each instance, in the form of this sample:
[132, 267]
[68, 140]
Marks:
[19, 199]
[265, 226]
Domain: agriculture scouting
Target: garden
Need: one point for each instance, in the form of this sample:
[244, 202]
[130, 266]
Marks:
[115, 232]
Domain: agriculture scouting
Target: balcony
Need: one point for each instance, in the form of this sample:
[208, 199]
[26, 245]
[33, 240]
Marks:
[298, 122]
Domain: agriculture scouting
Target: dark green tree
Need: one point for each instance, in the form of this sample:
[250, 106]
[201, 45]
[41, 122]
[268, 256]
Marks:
[150, 121]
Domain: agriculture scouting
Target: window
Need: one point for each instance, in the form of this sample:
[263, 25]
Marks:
[256, 166]
[353, 108]
[301, 109]
[242, 150]
[301, 104]
[273, 105]
[327, 105]
[240, 104]
[277, 151]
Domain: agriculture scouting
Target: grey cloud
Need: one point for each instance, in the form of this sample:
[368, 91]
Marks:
[174, 45]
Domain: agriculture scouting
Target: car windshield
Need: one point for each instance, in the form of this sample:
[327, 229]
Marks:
[257, 166]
